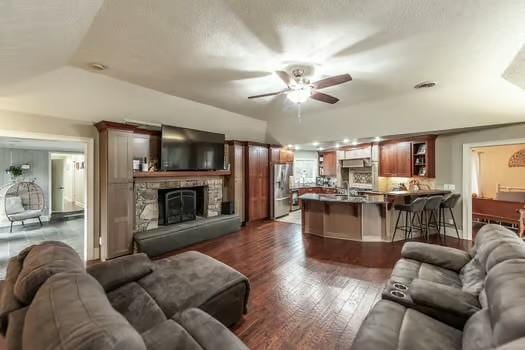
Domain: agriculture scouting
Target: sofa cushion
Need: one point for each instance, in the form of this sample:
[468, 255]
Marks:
[190, 279]
[137, 306]
[76, 314]
[169, 335]
[8, 301]
[15, 328]
[391, 326]
[406, 270]
[505, 287]
[445, 257]
[39, 262]
[207, 331]
[114, 273]
[472, 277]
[477, 333]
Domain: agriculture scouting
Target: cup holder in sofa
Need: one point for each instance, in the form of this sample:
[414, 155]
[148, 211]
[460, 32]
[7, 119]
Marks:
[398, 294]
[399, 286]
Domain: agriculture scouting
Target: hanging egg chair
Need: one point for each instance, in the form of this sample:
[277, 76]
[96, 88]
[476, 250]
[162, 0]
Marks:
[22, 201]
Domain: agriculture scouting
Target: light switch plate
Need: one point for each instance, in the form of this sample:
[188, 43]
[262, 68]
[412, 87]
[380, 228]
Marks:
[450, 187]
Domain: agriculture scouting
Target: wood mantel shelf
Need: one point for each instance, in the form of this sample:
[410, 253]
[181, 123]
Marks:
[162, 174]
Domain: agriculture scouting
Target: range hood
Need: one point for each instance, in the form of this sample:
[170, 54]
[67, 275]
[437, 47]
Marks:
[356, 163]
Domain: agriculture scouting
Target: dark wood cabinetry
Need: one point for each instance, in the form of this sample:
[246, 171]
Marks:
[286, 155]
[257, 182]
[407, 158]
[328, 167]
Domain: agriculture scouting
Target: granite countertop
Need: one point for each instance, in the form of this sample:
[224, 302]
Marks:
[339, 199]
[296, 187]
[409, 193]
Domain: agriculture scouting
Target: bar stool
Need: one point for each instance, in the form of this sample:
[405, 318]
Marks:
[431, 214]
[412, 211]
[449, 203]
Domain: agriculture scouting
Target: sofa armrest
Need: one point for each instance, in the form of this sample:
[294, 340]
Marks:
[447, 304]
[446, 257]
[114, 273]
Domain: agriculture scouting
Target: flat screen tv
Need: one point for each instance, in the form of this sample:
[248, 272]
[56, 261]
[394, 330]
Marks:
[188, 149]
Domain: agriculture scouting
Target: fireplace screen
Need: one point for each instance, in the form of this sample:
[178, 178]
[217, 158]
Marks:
[179, 206]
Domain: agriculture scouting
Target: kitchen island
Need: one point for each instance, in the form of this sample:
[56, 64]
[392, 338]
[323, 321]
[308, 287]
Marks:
[368, 218]
[345, 217]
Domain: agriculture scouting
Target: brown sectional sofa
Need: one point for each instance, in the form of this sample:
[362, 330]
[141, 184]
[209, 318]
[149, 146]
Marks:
[443, 298]
[49, 301]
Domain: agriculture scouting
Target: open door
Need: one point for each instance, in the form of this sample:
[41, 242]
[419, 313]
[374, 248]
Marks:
[57, 185]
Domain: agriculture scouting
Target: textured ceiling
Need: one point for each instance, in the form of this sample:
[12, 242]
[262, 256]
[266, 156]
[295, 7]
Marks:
[39, 36]
[515, 72]
[220, 52]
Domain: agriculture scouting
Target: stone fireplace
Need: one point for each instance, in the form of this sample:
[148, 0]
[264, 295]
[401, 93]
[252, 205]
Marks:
[150, 199]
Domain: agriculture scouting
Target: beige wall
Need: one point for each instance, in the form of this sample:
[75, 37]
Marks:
[449, 154]
[494, 169]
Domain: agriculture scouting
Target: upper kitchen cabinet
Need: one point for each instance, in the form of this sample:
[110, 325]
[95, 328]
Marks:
[286, 155]
[328, 165]
[407, 158]
[275, 154]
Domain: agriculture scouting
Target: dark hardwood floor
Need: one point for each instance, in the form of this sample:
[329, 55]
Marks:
[307, 292]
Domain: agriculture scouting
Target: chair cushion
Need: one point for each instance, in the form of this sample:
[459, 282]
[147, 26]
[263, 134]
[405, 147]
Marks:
[13, 205]
[191, 279]
[391, 326]
[114, 273]
[39, 262]
[76, 314]
[26, 215]
[406, 270]
[137, 306]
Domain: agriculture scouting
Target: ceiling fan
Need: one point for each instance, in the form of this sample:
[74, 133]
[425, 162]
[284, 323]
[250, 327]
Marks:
[299, 89]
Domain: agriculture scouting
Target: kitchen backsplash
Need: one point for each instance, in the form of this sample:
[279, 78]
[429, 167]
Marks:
[362, 178]
[387, 183]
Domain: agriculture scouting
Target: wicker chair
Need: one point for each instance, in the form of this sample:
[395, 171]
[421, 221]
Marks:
[22, 201]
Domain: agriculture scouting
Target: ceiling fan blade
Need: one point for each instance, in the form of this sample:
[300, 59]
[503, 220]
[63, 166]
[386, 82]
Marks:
[269, 94]
[319, 96]
[284, 77]
[336, 80]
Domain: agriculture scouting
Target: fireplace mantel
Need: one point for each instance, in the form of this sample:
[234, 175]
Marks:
[164, 174]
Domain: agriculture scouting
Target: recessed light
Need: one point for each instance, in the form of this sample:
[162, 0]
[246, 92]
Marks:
[315, 143]
[337, 145]
[289, 146]
[320, 148]
[377, 139]
[346, 140]
[297, 147]
[425, 84]
[97, 66]
[354, 143]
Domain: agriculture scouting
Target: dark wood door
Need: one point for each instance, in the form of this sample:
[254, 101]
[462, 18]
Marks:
[258, 182]
[403, 159]
[329, 164]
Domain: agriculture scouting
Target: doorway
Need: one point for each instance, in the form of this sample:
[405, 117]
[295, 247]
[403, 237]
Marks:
[494, 184]
[67, 180]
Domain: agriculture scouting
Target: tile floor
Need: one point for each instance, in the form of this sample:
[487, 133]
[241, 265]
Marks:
[70, 232]
[293, 218]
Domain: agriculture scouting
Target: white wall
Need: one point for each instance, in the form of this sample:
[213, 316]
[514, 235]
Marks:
[449, 155]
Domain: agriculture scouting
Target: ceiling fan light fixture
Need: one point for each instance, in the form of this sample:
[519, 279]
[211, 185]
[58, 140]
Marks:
[300, 94]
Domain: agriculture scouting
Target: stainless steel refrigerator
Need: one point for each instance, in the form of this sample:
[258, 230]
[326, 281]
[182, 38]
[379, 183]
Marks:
[281, 189]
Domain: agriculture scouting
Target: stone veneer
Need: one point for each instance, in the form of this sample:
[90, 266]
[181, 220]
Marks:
[147, 194]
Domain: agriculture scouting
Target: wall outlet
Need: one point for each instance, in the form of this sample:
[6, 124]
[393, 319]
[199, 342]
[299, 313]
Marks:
[450, 187]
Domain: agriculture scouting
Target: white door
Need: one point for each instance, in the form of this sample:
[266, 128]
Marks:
[57, 185]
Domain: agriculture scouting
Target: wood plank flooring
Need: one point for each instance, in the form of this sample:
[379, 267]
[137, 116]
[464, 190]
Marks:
[307, 292]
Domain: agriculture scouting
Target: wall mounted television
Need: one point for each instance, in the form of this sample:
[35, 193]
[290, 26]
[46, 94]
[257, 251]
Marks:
[189, 149]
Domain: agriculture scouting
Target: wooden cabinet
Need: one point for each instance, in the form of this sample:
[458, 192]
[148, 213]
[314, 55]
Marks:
[407, 158]
[147, 146]
[117, 205]
[235, 183]
[275, 154]
[329, 167]
[286, 155]
[257, 186]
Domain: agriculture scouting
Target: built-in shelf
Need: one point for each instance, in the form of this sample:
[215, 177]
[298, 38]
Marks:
[157, 174]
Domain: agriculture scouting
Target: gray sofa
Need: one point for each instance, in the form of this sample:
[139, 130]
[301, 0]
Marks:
[48, 300]
[444, 298]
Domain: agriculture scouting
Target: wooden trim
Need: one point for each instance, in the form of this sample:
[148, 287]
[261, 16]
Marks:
[157, 174]
[235, 142]
[104, 125]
